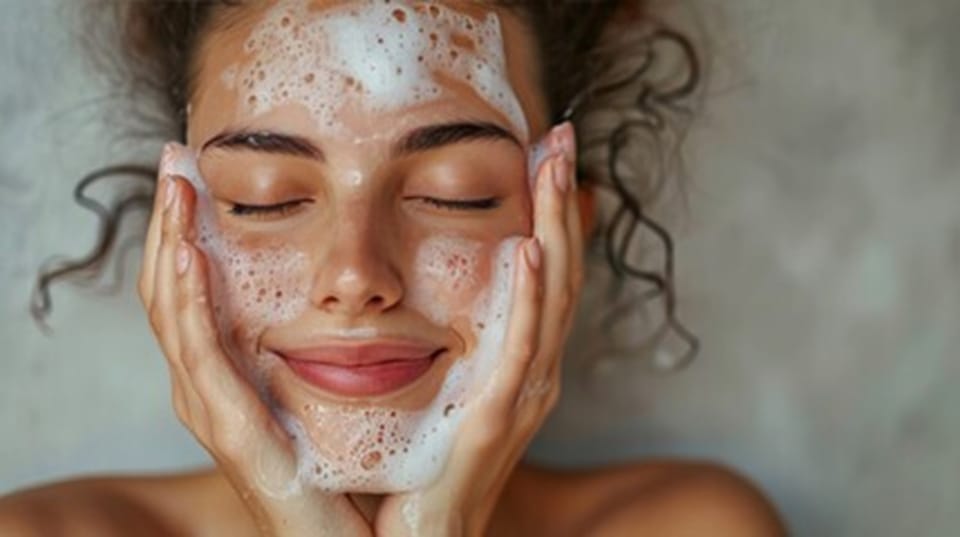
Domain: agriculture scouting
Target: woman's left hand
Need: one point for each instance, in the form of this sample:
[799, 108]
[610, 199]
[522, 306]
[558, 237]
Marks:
[495, 434]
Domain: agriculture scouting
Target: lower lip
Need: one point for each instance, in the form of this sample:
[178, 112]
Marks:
[362, 380]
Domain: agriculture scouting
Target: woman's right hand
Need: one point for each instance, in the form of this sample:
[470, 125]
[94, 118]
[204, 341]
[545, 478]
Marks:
[211, 398]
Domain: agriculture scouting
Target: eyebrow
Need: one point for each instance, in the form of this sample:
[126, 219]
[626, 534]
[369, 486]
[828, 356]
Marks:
[435, 136]
[266, 142]
[418, 140]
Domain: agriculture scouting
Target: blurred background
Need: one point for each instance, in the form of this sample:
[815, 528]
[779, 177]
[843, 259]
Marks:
[818, 260]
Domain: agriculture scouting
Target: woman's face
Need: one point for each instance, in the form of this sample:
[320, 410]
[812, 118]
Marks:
[363, 166]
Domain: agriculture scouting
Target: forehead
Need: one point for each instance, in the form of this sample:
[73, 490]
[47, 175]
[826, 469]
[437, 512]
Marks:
[323, 53]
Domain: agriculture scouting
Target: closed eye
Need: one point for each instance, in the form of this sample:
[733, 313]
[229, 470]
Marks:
[289, 207]
[261, 211]
[460, 205]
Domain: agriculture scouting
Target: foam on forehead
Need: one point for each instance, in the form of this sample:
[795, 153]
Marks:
[382, 55]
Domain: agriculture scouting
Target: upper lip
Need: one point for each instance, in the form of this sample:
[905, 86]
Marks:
[355, 353]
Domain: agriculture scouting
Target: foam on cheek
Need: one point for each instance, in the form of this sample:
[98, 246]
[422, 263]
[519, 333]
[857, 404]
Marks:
[257, 289]
[387, 450]
[380, 55]
[252, 288]
[445, 264]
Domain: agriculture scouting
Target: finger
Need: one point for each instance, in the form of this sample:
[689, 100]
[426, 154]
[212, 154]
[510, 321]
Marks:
[524, 325]
[550, 226]
[161, 201]
[550, 221]
[164, 305]
[163, 302]
[575, 236]
[151, 246]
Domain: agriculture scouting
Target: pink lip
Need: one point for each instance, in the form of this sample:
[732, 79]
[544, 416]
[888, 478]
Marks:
[365, 369]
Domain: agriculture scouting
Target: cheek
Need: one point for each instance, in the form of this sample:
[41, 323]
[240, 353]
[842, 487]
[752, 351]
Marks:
[254, 285]
[449, 272]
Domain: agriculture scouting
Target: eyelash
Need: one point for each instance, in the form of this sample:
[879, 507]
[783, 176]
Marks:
[283, 209]
[483, 204]
[260, 211]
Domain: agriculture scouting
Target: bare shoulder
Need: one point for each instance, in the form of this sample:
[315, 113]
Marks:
[668, 498]
[179, 504]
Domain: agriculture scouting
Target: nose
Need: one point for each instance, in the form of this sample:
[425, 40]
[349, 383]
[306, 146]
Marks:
[356, 275]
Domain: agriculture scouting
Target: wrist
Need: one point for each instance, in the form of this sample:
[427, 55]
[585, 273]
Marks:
[418, 517]
[310, 514]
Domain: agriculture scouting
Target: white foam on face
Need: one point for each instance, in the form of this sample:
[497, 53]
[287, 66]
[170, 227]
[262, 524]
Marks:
[388, 450]
[363, 449]
[380, 55]
[251, 287]
[445, 262]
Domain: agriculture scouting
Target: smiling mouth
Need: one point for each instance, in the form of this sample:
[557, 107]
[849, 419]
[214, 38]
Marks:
[363, 371]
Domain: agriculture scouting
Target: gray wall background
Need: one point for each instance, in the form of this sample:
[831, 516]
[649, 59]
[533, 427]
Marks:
[819, 265]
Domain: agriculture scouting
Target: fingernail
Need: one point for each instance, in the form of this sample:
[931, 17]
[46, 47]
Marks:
[170, 191]
[183, 258]
[556, 140]
[532, 252]
[568, 142]
[559, 172]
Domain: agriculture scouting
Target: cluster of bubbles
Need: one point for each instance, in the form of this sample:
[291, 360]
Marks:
[443, 262]
[380, 54]
[253, 287]
[375, 449]
[268, 289]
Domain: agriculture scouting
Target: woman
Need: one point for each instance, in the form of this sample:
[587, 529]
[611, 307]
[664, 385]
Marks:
[361, 267]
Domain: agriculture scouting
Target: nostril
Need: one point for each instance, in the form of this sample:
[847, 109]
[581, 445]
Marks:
[332, 302]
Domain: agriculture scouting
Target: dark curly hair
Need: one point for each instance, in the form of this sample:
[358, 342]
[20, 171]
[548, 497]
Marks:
[626, 80]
